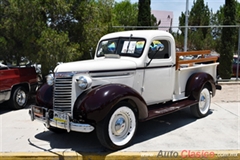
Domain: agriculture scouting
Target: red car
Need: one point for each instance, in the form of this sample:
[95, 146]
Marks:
[236, 62]
[16, 83]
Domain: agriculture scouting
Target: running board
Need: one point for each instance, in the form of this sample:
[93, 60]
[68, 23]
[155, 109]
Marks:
[158, 110]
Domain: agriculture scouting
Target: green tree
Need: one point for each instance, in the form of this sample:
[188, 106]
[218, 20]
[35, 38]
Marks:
[125, 14]
[51, 31]
[54, 47]
[227, 40]
[199, 15]
[24, 26]
[20, 24]
[93, 20]
[217, 19]
[144, 13]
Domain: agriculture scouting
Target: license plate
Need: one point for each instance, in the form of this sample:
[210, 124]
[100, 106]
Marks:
[60, 117]
[38, 111]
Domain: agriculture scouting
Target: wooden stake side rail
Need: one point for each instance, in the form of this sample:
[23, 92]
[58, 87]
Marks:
[191, 61]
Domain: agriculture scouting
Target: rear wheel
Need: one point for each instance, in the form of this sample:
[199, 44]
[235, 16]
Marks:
[19, 98]
[118, 128]
[201, 109]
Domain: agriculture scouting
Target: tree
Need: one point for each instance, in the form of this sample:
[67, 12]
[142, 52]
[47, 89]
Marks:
[31, 30]
[51, 31]
[199, 15]
[18, 33]
[227, 40]
[144, 13]
[125, 13]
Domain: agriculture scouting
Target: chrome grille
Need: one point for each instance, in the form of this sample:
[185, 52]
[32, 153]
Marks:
[62, 93]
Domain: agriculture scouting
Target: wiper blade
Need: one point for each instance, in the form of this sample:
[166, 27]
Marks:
[129, 42]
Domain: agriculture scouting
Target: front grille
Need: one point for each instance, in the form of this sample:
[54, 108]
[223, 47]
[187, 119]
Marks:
[63, 93]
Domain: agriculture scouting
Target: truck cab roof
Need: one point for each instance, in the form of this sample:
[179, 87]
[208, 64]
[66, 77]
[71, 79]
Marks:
[148, 34]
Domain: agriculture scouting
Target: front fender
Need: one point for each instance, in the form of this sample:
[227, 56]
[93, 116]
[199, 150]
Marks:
[44, 96]
[196, 82]
[96, 103]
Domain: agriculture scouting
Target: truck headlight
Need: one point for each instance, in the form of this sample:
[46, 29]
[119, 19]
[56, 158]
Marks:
[84, 82]
[50, 79]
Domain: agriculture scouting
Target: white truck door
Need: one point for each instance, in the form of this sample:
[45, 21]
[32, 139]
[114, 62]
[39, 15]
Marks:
[159, 77]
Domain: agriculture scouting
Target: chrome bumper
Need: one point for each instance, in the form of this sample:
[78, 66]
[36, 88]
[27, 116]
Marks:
[42, 114]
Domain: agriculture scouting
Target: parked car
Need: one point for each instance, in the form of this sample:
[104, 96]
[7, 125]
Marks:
[236, 62]
[234, 66]
[16, 84]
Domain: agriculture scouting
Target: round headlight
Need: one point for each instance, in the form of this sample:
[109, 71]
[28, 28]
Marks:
[84, 82]
[50, 79]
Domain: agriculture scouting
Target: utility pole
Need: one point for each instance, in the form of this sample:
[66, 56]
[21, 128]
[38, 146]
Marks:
[238, 59]
[186, 27]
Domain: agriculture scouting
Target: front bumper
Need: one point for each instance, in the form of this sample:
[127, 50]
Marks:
[48, 117]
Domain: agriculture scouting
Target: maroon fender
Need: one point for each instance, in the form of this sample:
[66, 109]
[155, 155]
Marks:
[97, 102]
[197, 81]
[44, 96]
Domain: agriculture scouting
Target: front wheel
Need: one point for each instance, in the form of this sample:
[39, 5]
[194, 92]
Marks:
[118, 128]
[201, 109]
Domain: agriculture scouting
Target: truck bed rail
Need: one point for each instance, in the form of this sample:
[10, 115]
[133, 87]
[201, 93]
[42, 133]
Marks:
[190, 62]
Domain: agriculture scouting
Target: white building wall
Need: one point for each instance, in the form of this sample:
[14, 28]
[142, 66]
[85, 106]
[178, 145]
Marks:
[166, 18]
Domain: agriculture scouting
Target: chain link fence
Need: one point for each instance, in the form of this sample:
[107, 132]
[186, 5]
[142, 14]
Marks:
[178, 30]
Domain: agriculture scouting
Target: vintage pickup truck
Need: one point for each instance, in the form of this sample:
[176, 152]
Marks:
[16, 83]
[135, 76]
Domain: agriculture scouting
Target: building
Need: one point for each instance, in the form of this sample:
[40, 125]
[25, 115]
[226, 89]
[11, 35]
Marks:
[165, 17]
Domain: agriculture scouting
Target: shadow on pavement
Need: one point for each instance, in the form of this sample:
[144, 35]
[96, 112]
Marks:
[88, 142]
[5, 108]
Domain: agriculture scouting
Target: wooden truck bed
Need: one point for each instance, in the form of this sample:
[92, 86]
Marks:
[202, 59]
[185, 68]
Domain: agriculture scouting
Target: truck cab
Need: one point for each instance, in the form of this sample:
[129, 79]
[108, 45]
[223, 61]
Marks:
[134, 76]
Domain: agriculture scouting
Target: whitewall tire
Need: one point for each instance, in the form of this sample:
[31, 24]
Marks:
[118, 128]
[202, 108]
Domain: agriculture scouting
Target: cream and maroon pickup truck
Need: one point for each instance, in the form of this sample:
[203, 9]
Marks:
[135, 76]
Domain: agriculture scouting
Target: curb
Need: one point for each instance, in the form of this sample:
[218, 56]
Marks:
[229, 82]
[163, 155]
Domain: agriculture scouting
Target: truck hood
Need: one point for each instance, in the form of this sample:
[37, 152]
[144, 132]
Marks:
[106, 64]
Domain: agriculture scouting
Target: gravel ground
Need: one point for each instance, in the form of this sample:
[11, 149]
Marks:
[229, 93]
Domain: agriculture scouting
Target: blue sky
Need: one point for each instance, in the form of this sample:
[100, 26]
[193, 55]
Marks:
[178, 6]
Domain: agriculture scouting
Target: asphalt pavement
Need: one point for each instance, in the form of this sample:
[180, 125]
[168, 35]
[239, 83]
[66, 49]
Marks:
[177, 135]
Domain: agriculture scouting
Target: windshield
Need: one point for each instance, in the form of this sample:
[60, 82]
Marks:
[122, 46]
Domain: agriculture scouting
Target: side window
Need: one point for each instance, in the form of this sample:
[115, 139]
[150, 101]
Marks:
[162, 47]
[107, 47]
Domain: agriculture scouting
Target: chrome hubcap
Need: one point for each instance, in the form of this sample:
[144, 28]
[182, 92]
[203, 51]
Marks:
[122, 126]
[119, 126]
[21, 97]
[202, 101]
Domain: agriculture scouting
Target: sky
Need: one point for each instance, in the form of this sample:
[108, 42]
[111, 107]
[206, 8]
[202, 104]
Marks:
[178, 6]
